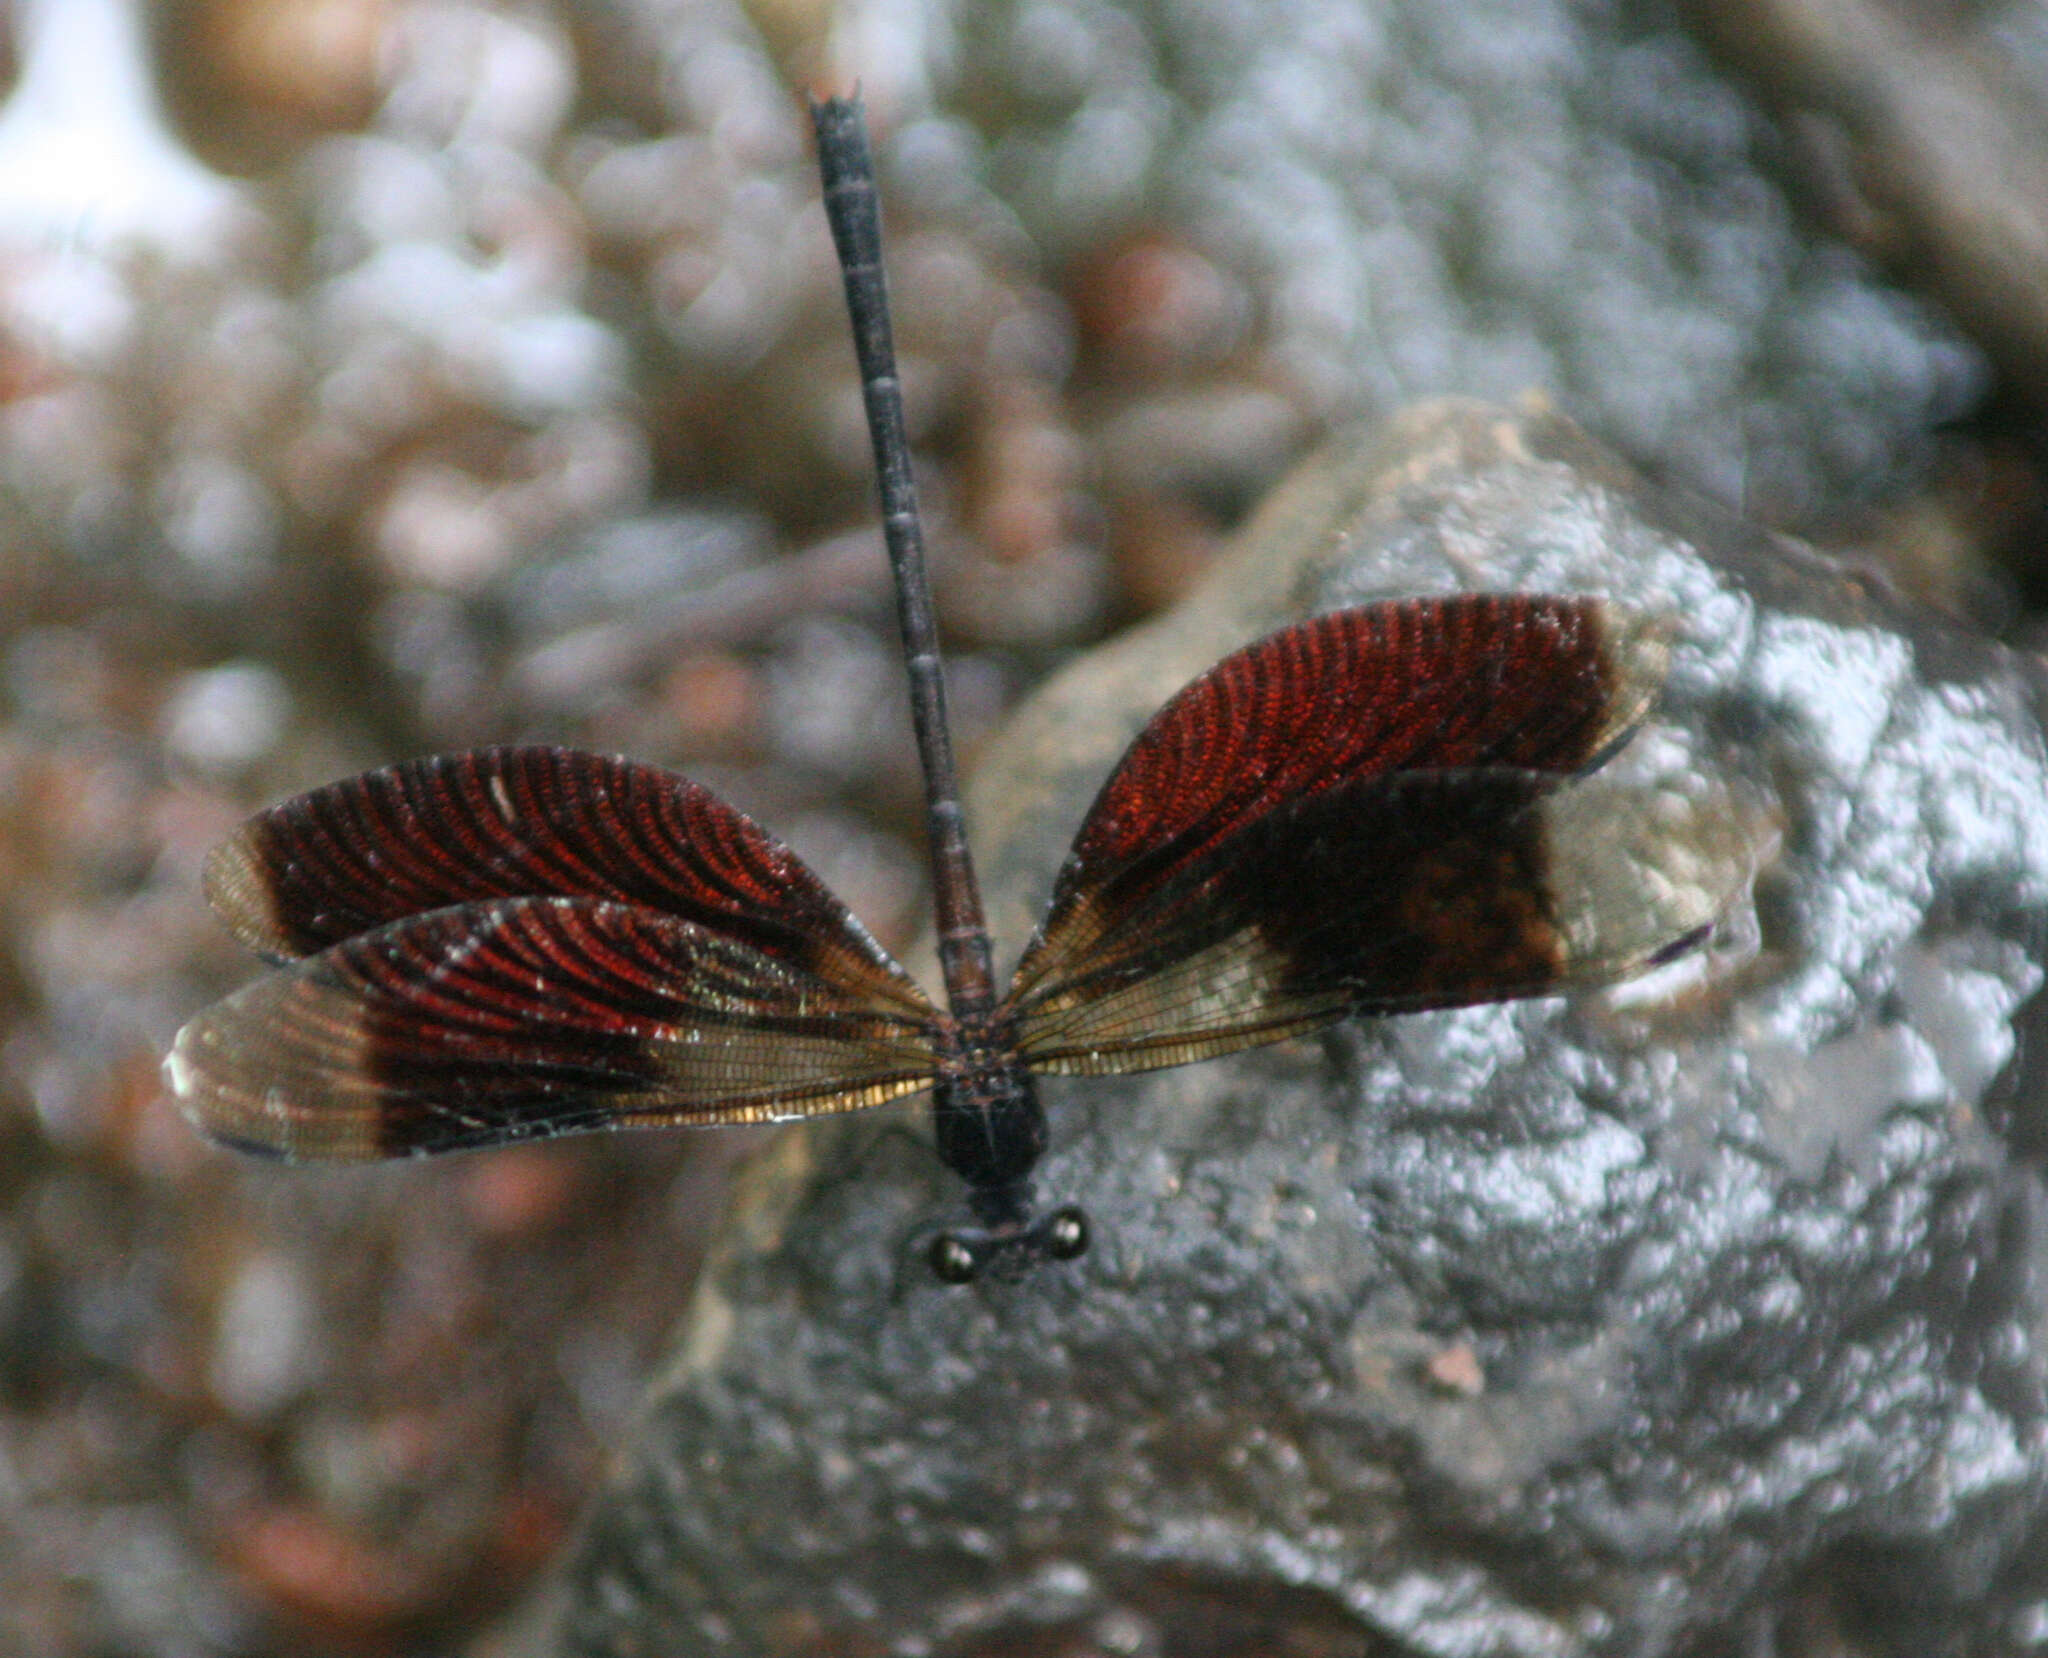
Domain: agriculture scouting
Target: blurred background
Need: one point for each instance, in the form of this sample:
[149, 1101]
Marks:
[386, 376]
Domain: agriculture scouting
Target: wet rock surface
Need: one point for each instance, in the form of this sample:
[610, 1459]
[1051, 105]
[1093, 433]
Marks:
[1920, 138]
[1703, 1315]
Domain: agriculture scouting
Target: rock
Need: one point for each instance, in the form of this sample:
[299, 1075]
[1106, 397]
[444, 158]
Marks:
[1417, 199]
[1924, 142]
[1739, 1266]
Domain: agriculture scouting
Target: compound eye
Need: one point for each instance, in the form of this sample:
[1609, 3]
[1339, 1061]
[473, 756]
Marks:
[1066, 1234]
[954, 1260]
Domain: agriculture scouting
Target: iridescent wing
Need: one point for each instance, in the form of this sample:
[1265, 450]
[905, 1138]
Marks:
[522, 823]
[526, 1018]
[525, 942]
[1370, 812]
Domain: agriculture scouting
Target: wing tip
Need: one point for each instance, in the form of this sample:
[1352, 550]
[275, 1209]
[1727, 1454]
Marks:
[237, 883]
[1643, 875]
[1635, 660]
[1683, 945]
[198, 1098]
[218, 1073]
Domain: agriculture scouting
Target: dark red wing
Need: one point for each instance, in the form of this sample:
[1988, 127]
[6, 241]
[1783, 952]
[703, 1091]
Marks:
[531, 1017]
[1383, 895]
[524, 823]
[1512, 680]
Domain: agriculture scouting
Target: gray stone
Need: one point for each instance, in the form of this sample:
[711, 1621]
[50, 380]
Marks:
[1692, 1316]
[1422, 199]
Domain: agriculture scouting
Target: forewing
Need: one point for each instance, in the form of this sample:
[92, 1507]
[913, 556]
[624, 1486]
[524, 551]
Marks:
[1528, 682]
[531, 1017]
[525, 823]
[1387, 895]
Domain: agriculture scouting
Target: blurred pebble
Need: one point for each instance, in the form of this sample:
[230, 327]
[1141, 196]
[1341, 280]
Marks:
[440, 528]
[308, 62]
[220, 518]
[835, 698]
[1221, 442]
[67, 1097]
[1155, 307]
[223, 719]
[184, 825]
[533, 1523]
[1455, 1370]
[159, 1597]
[342, 1584]
[1163, 546]
[636, 191]
[58, 677]
[522, 1190]
[711, 703]
[66, 305]
[262, 1346]
[1058, 595]
[1029, 473]
[351, 1464]
[618, 569]
[481, 77]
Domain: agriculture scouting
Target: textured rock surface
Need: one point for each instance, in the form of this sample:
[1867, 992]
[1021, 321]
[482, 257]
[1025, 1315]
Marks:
[1925, 143]
[1700, 1317]
[1413, 199]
